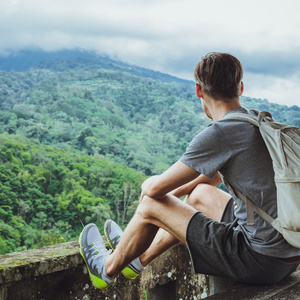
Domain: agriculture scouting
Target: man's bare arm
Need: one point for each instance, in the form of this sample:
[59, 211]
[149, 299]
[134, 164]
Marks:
[177, 175]
[187, 188]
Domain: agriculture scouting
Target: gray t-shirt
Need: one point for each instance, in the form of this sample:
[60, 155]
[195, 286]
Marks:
[236, 149]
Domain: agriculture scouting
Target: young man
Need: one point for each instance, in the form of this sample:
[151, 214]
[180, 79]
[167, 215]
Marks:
[209, 222]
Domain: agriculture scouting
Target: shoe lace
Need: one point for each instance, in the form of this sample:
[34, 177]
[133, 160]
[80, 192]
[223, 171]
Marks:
[99, 253]
[100, 250]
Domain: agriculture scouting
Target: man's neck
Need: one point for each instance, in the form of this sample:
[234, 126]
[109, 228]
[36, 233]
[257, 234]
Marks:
[219, 108]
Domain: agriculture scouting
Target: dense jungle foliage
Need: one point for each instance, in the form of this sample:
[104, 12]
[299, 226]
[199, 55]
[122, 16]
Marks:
[78, 137]
[47, 193]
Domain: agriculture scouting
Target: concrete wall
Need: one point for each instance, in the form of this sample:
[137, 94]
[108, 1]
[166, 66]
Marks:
[58, 272]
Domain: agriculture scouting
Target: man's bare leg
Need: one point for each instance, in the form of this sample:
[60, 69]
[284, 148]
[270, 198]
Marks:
[205, 198]
[168, 213]
[171, 214]
[161, 243]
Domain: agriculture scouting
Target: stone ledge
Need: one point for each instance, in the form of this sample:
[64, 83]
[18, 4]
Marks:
[37, 262]
[288, 288]
[58, 272]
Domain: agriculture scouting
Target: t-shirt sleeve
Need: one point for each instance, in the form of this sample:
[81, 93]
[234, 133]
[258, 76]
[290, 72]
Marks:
[208, 152]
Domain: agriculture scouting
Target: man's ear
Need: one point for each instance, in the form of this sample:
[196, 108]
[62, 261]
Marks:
[198, 90]
[241, 88]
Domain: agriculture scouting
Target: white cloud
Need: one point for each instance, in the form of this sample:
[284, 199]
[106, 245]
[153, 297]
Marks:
[169, 36]
[284, 91]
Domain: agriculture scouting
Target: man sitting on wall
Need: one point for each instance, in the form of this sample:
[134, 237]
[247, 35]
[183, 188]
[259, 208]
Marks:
[210, 222]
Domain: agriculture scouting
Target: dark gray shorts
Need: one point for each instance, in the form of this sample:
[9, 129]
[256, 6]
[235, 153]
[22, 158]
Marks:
[216, 248]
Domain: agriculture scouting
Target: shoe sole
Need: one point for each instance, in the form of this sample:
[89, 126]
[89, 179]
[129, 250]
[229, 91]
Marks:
[126, 272]
[96, 281]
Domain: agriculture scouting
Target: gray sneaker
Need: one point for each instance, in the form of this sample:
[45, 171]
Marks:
[113, 235]
[94, 253]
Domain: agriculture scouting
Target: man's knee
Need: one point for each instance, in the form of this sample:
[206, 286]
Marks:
[200, 192]
[154, 209]
[199, 195]
[144, 209]
[209, 200]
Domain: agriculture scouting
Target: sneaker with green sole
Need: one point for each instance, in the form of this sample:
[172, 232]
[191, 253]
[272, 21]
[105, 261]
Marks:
[113, 235]
[95, 254]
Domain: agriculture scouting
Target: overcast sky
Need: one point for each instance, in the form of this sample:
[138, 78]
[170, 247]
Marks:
[169, 36]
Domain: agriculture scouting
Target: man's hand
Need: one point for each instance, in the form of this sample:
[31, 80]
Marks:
[146, 184]
[187, 188]
[159, 185]
[212, 181]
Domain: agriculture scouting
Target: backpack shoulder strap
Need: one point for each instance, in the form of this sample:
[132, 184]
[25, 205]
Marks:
[255, 120]
[243, 117]
[251, 207]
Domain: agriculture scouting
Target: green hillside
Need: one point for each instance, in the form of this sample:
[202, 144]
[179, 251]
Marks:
[135, 120]
[47, 193]
[119, 111]
[78, 137]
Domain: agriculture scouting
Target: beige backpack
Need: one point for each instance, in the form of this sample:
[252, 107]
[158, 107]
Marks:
[283, 143]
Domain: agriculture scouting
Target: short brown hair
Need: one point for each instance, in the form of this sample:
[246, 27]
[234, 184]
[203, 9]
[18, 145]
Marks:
[219, 75]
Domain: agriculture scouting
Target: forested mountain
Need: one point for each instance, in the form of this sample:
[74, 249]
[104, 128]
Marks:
[134, 116]
[97, 107]
[69, 127]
